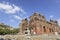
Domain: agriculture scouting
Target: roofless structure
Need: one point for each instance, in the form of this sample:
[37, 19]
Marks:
[38, 25]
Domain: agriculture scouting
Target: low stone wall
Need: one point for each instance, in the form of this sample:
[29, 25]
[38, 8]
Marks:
[35, 37]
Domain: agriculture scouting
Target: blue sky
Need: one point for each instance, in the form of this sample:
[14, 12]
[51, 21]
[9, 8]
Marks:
[13, 11]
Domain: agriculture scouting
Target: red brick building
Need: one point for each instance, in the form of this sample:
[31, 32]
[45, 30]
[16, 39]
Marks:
[39, 25]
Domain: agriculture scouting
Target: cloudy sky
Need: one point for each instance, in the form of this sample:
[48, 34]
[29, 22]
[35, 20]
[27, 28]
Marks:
[13, 11]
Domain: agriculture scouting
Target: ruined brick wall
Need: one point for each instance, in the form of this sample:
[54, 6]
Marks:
[39, 25]
[23, 26]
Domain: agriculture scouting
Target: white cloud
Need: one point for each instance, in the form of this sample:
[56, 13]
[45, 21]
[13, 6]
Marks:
[51, 16]
[22, 11]
[17, 17]
[26, 17]
[58, 22]
[11, 9]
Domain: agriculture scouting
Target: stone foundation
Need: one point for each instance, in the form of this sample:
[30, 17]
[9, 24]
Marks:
[35, 37]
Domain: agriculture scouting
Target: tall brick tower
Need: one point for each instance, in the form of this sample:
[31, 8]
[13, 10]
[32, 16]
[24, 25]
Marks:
[24, 26]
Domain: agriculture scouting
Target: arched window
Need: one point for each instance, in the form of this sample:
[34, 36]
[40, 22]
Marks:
[50, 29]
[36, 18]
[44, 29]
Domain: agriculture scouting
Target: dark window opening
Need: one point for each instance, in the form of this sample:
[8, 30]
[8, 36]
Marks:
[39, 15]
[26, 19]
[50, 29]
[25, 29]
[43, 17]
[36, 18]
[59, 33]
[44, 28]
[26, 32]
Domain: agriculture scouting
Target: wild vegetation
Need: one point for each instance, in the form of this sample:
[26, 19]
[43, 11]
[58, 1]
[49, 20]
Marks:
[5, 30]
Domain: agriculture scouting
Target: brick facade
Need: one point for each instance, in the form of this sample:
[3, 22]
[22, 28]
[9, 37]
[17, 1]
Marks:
[39, 25]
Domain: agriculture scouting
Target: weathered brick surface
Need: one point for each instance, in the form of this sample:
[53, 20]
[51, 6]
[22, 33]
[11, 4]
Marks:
[39, 25]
